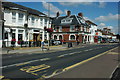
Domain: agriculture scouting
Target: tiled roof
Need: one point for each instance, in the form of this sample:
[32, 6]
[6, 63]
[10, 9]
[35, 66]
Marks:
[29, 10]
[76, 21]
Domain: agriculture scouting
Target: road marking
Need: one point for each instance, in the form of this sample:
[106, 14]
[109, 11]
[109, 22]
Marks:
[1, 77]
[34, 69]
[72, 66]
[53, 74]
[72, 53]
[23, 63]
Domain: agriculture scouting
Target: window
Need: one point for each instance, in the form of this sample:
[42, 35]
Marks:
[60, 29]
[33, 20]
[13, 35]
[46, 22]
[55, 28]
[6, 35]
[60, 37]
[13, 17]
[20, 37]
[72, 28]
[85, 29]
[20, 17]
[41, 22]
[72, 37]
[55, 37]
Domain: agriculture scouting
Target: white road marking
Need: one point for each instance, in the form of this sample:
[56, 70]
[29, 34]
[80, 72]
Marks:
[23, 63]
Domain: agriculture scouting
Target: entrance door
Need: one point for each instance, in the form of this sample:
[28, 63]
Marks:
[35, 36]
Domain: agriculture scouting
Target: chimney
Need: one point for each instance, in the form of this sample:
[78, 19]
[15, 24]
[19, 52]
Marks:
[57, 14]
[80, 14]
[68, 13]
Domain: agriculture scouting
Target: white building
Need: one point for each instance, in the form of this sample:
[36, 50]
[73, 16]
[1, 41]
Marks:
[93, 29]
[22, 23]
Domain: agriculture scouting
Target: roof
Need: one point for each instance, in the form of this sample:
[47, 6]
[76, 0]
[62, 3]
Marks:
[76, 20]
[11, 5]
[90, 22]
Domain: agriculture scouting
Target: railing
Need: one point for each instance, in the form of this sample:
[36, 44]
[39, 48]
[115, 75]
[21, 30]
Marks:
[22, 44]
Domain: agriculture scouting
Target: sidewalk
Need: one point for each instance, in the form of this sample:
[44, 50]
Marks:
[31, 50]
[100, 67]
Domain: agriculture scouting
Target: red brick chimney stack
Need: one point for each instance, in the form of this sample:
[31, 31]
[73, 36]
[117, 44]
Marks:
[68, 13]
[57, 14]
[80, 14]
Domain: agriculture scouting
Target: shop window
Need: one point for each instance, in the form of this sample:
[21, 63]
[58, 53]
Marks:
[13, 35]
[6, 35]
[20, 36]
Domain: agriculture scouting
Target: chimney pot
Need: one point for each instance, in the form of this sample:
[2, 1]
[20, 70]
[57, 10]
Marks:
[68, 13]
[80, 14]
[58, 14]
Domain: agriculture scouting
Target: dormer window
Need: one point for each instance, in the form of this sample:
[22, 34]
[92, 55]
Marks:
[67, 20]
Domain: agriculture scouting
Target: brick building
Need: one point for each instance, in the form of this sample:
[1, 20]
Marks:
[70, 28]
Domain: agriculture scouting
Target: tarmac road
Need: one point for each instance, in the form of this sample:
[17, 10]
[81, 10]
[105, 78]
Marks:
[47, 64]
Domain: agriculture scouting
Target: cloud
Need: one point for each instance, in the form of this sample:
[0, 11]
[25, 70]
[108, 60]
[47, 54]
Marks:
[74, 3]
[109, 17]
[114, 29]
[51, 7]
[102, 4]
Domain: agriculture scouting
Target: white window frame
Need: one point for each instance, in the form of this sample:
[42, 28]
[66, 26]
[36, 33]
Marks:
[14, 17]
[62, 36]
[72, 35]
[72, 28]
[32, 20]
[41, 21]
[60, 28]
[20, 19]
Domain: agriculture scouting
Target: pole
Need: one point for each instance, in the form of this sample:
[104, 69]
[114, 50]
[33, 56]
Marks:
[48, 26]
[1, 24]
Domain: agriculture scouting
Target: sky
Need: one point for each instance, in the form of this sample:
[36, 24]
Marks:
[104, 14]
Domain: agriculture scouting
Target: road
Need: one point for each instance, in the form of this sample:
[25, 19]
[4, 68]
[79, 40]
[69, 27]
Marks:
[47, 64]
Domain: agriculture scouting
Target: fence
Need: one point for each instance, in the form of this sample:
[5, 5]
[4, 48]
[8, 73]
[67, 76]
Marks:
[21, 43]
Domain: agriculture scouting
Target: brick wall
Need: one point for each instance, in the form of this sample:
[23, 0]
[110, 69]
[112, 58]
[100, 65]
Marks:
[80, 38]
[66, 37]
[65, 29]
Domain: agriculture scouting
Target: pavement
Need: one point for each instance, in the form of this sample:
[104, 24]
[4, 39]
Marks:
[101, 67]
[19, 50]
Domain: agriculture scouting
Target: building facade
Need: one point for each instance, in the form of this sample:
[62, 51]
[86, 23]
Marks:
[70, 28]
[106, 35]
[22, 23]
[93, 29]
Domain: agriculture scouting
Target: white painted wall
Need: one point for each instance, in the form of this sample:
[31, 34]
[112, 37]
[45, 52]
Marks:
[92, 30]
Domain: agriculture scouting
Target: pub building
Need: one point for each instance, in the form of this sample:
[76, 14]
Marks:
[70, 28]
